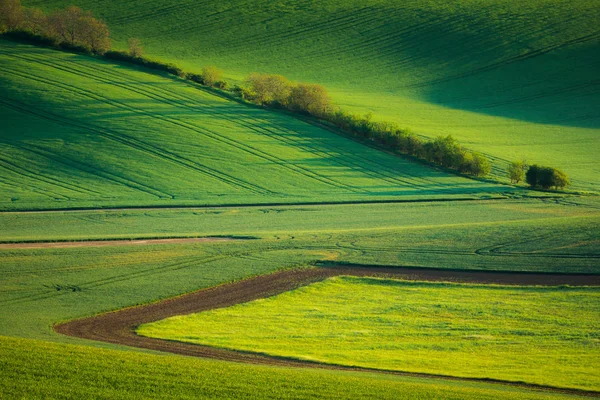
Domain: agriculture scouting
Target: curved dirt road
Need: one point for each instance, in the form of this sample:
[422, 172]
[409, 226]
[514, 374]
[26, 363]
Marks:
[119, 327]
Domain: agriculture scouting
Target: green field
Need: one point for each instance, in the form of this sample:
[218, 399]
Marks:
[547, 336]
[85, 133]
[40, 370]
[509, 78]
[42, 286]
[105, 151]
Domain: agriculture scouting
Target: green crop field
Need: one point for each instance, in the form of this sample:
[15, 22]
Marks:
[97, 150]
[42, 286]
[86, 133]
[546, 336]
[41, 370]
[509, 78]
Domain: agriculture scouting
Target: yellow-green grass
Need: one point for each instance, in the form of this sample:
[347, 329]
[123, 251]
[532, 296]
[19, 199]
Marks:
[80, 132]
[509, 78]
[34, 369]
[546, 336]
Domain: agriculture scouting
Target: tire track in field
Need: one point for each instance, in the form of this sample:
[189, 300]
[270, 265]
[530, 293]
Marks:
[38, 175]
[118, 327]
[200, 130]
[139, 144]
[68, 122]
[509, 60]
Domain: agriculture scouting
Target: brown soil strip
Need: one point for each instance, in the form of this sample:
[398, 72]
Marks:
[103, 243]
[119, 327]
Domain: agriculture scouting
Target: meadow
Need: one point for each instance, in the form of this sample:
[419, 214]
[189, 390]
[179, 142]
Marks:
[38, 369]
[508, 78]
[80, 132]
[546, 336]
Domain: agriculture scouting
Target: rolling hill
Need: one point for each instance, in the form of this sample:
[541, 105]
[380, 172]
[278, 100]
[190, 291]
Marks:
[81, 132]
[510, 79]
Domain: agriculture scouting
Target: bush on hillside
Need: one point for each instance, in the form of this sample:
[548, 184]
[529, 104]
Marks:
[546, 177]
[516, 171]
[309, 99]
[211, 75]
[268, 89]
[145, 62]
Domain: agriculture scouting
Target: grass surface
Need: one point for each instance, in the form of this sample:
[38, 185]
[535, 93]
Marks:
[82, 132]
[546, 336]
[39, 287]
[509, 78]
[40, 370]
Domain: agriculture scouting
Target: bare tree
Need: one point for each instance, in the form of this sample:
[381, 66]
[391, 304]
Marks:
[135, 47]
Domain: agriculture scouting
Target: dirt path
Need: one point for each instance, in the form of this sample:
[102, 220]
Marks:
[103, 243]
[119, 327]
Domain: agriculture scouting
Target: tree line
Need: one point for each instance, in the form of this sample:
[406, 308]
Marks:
[71, 28]
[310, 99]
[77, 30]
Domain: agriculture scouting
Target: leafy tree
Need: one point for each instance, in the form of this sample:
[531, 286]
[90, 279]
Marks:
[546, 177]
[311, 99]
[269, 89]
[211, 75]
[95, 35]
[516, 171]
[476, 164]
[135, 47]
[35, 21]
[11, 15]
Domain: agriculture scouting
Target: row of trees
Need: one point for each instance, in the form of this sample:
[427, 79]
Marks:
[71, 27]
[537, 176]
[278, 91]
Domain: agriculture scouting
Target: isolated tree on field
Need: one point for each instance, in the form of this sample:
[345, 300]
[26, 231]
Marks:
[309, 98]
[516, 171]
[266, 88]
[211, 75]
[11, 15]
[35, 21]
[135, 47]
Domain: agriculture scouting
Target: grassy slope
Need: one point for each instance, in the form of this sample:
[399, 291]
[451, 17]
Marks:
[41, 370]
[536, 335]
[82, 132]
[509, 78]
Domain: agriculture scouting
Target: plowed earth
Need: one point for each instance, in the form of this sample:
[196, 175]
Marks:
[119, 327]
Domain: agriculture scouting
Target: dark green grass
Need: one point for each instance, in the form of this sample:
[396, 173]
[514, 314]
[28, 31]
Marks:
[82, 132]
[509, 78]
[546, 336]
[41, 370]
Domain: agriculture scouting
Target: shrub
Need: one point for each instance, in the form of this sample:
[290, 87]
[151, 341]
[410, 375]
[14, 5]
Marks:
[546, 177]
[310, 99]
[211, 75]
[269, 89]
[516, 171]
[135, 47]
